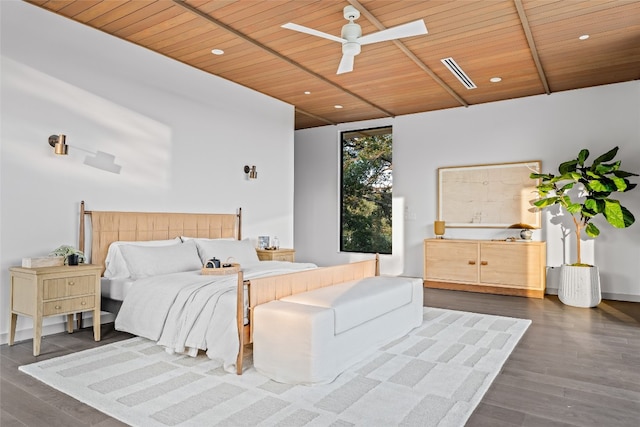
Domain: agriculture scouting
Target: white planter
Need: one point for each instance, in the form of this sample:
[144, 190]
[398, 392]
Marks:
[579, 286]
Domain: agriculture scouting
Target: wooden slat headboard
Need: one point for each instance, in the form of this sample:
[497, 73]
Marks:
[110, 226]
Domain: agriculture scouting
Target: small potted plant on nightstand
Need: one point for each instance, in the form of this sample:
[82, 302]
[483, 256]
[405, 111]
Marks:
[72, 256]
[584, 191]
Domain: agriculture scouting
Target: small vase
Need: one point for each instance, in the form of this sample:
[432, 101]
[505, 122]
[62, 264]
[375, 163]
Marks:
[526, 234]
[73, 259]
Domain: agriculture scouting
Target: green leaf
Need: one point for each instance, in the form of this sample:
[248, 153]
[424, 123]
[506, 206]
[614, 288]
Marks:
[630, 186]
[609, 155]
[592, 230]
[604, 169]
[574, 208]
[601, 186]
[628, 217]
[543, 203]
[584, 153]
[567, 167]
[566, 187]
[595, 206]
[540, 176]
[602, 195]
[613, 213]
[544, 189]
[620, 183]
[623, 174]
[575, 176]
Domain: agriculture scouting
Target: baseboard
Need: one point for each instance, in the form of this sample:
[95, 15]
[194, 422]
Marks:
[605, 295]
[620, 297]
[55, 328]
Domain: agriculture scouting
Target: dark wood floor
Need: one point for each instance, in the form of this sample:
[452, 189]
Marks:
[573, 367]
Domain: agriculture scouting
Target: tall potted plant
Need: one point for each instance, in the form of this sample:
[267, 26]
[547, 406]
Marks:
[584, 191]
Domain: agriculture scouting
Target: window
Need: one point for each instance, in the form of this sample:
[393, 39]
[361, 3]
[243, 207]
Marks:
[366, 190]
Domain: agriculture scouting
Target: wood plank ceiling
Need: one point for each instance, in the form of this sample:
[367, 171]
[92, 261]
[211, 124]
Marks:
[533, 45]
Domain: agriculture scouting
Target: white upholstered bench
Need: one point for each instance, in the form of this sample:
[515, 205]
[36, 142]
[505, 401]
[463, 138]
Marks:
[312, 337]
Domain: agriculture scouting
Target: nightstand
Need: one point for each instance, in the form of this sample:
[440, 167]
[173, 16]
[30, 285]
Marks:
[51, 291]
[281, 254]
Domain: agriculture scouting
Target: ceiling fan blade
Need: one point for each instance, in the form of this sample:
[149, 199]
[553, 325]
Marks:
[311, 31]
[346, 64]
[409, 29]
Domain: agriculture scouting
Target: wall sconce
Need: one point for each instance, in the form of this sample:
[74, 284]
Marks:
[251, 172]
[99, 160]
[58, 142]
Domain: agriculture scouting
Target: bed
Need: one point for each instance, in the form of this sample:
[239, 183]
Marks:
[161, 304]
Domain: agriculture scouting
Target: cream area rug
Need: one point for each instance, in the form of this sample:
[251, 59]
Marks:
[435, 376]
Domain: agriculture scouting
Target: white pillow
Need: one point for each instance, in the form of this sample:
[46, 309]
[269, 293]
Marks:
[146, 261]
[185, 238]
[240, 251]
[115, 264]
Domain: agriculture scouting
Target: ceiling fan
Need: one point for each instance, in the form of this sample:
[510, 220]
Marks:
[352, 38]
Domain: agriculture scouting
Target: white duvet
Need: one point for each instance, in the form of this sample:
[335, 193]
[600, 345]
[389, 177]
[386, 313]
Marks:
[187, 312]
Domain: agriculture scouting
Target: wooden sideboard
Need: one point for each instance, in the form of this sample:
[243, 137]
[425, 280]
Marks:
[489, 266]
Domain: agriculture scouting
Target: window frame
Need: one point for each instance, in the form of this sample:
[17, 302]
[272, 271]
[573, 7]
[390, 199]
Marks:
[341, 212]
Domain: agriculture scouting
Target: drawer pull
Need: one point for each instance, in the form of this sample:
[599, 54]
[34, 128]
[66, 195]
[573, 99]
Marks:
[472, 263]
[484, 263]
[71, 283]
[83, 303]
[57, 307]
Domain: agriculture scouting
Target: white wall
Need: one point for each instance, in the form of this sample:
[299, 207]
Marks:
[550, 128]
[181, 136]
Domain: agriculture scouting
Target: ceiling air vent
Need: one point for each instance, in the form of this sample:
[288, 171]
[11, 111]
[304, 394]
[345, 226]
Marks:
[457, 71]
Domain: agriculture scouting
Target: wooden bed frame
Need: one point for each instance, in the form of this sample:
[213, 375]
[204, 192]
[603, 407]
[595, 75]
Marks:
[112, 226]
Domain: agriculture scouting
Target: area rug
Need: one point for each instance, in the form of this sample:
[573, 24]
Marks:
[435, 376]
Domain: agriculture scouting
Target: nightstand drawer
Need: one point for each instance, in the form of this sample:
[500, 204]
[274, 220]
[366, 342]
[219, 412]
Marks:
[282, 257]
[71, 305]
[68, 286]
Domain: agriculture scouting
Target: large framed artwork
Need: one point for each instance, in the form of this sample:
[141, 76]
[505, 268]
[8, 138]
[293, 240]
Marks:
[496, 195]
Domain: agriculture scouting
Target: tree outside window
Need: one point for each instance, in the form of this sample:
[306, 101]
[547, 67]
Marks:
[366, 191]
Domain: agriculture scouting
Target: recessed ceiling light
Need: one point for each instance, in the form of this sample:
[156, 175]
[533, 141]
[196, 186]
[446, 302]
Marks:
[337, 106]
[584, 37]
[306, 92]
[217, 51]
[495, 79]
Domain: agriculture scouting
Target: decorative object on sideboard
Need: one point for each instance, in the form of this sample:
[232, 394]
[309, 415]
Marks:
[438, 229]
[251, 171]
[584, 192]
[99, 160]
[50, 261]
[525, 230]
[263, 242]
[72, 256]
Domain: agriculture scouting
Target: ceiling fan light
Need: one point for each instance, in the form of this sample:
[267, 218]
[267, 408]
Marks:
[351, 48]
